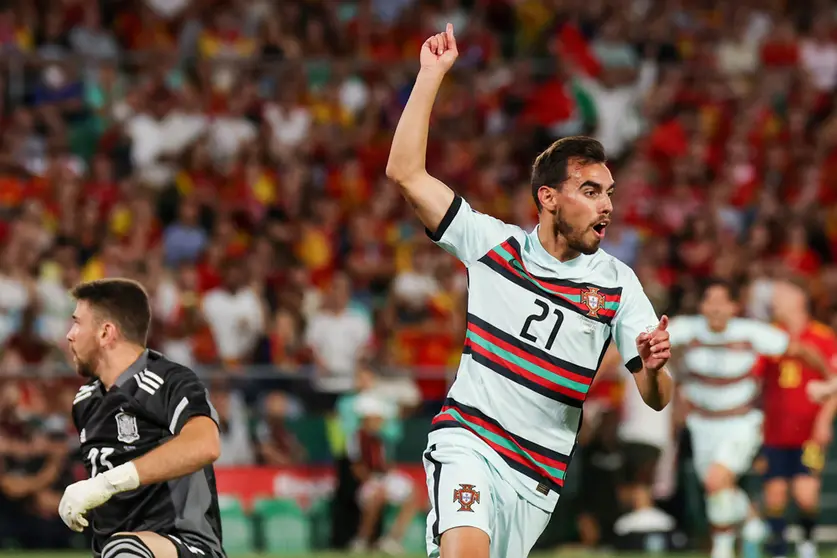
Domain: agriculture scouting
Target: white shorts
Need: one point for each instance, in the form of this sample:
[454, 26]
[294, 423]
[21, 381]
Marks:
[466, 491]
[732, 442]
[396, 487]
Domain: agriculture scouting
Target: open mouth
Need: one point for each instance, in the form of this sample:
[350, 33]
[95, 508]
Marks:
[599, 229]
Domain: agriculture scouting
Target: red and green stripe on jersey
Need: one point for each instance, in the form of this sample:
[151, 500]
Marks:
[592, 301]
[535, 461]
[526, 364]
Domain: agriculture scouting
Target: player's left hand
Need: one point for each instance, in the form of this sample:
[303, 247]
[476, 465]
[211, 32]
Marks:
[81, 497]
[654, 347]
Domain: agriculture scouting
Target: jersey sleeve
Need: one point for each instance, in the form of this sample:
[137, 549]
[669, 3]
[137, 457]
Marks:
[469, 234]
[634, 316]
[183, 398]
[767, 339]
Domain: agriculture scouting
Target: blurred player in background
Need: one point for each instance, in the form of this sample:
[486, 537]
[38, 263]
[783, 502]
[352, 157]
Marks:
[543, 307]
[717, 356]
[797, 430]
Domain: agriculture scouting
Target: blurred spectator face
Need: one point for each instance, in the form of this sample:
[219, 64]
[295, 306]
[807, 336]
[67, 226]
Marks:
[189, 213]
[610, 30]
[234, 277]
[85, 338]
[187, 277]
[276, 405]
[341, 291]
[284, 325]
[423, 260]
[789, 300]
[372, 424]
[578, 206]
[102, 169]
[797, 236]
[718, 307]
[54, 76]
[759, 238]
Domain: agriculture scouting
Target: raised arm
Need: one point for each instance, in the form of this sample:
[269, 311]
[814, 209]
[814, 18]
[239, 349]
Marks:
[430, 197]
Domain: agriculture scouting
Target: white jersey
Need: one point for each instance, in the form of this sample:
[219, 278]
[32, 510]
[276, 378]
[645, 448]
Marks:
[716, 366]
[537, 331]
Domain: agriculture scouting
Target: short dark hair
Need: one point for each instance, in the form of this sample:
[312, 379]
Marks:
[732, 289]
[124, 301]
[550, 167]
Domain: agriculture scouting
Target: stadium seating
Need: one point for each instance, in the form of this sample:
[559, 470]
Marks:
[285, 528]
[236, 525]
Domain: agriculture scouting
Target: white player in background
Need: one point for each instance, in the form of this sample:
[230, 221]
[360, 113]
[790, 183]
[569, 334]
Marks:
[716, 356]
[543, 306]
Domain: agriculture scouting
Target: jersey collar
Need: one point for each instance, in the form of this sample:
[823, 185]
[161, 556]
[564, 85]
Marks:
[544, 258]
[137, 366]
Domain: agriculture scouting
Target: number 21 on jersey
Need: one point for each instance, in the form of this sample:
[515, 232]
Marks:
[542, 314]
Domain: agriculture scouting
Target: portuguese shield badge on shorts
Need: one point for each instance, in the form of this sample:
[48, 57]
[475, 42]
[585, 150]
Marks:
[466, 497]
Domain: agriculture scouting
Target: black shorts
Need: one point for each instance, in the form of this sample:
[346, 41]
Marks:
[787, 463]
[191, 550]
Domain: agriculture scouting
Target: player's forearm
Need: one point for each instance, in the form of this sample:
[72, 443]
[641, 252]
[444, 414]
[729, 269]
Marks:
[828, 410]
[409, 144]
[197, 446]
[655, 387]
[815, 359]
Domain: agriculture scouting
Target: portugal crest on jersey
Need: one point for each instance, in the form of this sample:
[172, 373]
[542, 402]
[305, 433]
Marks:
[466, 497]
[126, 428]
[593, 300]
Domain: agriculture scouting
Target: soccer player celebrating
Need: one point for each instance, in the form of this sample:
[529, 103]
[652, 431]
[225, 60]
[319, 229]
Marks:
[543, 307]
[719, 391]
[719, 355]
[148, 435]
[797, 430]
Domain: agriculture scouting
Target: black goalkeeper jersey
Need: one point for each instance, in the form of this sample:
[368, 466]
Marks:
[148, 405]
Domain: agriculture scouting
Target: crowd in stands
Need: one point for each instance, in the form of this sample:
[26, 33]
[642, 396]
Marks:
[230, 155]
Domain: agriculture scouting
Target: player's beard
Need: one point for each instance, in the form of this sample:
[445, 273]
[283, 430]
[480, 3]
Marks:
[577, 239]
[84, 368]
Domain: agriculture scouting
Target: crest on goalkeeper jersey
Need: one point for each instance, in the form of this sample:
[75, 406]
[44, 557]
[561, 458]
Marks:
[126, 428]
